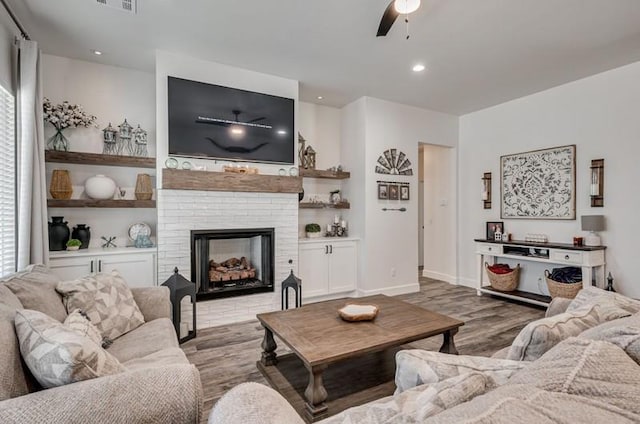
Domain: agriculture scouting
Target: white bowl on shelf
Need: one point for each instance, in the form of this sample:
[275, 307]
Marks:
[100, 187]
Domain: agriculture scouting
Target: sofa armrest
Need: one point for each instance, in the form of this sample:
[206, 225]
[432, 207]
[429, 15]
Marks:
[153, 302]
[415, 367]
[169, 394]
[557, 306]
[253, 403]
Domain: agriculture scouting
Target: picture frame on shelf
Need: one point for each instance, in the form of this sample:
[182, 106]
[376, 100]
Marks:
[493, 227]
[404, 192]
[394, 192]
[383, 191]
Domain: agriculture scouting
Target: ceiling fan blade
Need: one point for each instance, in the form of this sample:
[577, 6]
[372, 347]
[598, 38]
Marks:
[257, 120]
[388, 18]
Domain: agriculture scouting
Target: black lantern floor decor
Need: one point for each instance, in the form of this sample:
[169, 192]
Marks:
[296, 284]
[180, 288]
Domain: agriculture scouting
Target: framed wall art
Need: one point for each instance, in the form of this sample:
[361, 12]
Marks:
[493, 228]
[404, 192]
[394, 192]
[539, 185]
[383, 191]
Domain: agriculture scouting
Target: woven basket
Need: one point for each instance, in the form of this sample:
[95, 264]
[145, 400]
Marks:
[566, 290]
[504, 282]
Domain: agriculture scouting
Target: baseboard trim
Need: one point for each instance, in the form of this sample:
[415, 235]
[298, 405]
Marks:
[439, 276]
[391, 291]
[468, 282]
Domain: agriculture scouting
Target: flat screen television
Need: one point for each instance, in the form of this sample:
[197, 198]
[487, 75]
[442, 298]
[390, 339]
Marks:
[212, 121]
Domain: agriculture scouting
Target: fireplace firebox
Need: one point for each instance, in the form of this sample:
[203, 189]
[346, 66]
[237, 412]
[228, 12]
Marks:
[227, 263]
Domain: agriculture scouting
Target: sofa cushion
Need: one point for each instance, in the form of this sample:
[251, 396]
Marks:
[541, 335]
[36, 289]
[624, 333]
[8, 298]
[78, 321]
[107, 301]
[149, 338]
[15, 380]
[597, 370]
[58, 355]
[592, 295]
[161, 358]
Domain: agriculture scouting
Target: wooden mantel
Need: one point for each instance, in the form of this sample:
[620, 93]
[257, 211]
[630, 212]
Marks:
[180, 179]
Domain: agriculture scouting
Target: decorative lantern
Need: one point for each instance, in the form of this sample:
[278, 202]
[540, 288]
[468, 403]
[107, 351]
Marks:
[110, 140]
[302, 160]
[180, 289]
[310, 156]
[140, 142]
[124, 138]
[296, 284]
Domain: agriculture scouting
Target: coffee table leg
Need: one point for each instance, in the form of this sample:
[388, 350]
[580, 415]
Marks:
[316, 394]
[269, 347]
[448, 345]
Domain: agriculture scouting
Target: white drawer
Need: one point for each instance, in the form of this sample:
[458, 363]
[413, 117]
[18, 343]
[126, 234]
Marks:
[490, 249]
[564, 256]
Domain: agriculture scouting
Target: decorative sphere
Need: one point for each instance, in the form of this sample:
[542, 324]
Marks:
[100, 187]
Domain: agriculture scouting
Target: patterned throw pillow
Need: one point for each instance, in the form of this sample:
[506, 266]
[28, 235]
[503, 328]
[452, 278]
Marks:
[58, 355]
[107, 301]
[80, 322]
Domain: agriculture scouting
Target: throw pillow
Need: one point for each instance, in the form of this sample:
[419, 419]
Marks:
[36, 289]
[15, 378]
[8, 298]
[541, 335]
[592, 295]
[107, 301]
[624, 333]
[79, 321]
[58, 355]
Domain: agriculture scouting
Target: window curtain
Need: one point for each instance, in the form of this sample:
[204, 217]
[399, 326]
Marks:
[33, 233]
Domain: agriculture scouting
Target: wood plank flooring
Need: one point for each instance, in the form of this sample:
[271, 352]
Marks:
[226, 356]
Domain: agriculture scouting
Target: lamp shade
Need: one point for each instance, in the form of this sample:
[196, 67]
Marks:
[592, 222]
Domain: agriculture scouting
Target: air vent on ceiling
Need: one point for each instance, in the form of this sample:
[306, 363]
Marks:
[129, 6]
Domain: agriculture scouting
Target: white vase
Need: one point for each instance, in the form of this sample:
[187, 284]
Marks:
[100, 187]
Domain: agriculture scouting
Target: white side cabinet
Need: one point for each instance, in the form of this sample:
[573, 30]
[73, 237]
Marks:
[137, 266]
[328, 266]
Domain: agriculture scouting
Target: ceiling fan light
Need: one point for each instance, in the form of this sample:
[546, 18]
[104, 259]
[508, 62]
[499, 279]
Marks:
[404, 7]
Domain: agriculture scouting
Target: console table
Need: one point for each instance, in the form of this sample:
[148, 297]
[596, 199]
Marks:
[590, 258]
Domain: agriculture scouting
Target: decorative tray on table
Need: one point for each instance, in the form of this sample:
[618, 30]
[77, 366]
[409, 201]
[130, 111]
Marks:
[353, 312]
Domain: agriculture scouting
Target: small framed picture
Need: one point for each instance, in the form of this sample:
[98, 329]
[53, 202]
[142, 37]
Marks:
[404, 192]
[493, 228]
[383, 191]
[394, 192]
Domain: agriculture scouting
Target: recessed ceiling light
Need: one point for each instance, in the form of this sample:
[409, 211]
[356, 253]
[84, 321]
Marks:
[237, 131]
[282, 132]
[320, 97]
[96, 52]
[404, 7]
[418, 67]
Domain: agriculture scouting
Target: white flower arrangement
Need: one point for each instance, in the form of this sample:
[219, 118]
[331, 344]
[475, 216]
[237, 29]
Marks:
[66, 115]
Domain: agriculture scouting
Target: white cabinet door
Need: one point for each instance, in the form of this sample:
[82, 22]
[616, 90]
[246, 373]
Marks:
[71, 268]
[314, 269]
[137, 269]
[343, 267]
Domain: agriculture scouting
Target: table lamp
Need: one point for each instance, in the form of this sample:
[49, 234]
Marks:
[592, 223]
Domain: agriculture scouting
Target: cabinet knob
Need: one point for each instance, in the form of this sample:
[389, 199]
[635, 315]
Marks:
[566, 257]
[490, 249]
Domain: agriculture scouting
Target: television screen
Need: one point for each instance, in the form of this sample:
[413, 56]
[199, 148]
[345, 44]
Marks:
[212, 121]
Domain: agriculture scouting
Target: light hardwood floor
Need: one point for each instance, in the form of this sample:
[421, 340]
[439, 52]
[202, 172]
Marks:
[226, 356]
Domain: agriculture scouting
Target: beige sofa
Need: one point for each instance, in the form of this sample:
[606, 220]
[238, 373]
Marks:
[159, 386]
[587, 372]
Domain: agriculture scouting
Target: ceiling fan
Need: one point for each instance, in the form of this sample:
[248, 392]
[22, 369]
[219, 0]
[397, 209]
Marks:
[395, 9]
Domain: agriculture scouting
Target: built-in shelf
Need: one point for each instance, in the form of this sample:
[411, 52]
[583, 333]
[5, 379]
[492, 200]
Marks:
[319, 173]
[321, 205]
[90, 203]
[180, 179]
[82, 158]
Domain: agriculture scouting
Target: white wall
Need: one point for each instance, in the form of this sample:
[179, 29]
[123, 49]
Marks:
[439, 213]
[389, 253]
[600, 115]
[112, 94]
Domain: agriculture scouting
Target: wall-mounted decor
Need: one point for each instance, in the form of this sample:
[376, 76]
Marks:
[392, 162]
[404, 192]
[493, 228]
[383, 191]
[394, 192]
[540, 184]
[486, 190]
[597, 183]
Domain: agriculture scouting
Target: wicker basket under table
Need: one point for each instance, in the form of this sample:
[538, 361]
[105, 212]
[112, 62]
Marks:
[504, 282]
[566, 290]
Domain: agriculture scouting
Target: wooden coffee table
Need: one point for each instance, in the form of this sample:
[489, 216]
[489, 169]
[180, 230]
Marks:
[318, 337]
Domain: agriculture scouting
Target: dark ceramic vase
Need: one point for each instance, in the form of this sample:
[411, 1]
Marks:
[58, 233]
[301, 195]
[82, 233]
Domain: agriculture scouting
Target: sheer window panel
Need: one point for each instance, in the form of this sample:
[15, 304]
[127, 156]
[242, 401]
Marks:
[7, 183]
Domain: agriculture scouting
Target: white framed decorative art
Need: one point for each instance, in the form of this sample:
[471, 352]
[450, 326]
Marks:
[539, 185]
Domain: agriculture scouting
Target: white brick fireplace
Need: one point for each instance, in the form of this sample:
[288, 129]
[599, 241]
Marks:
[181, 211]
